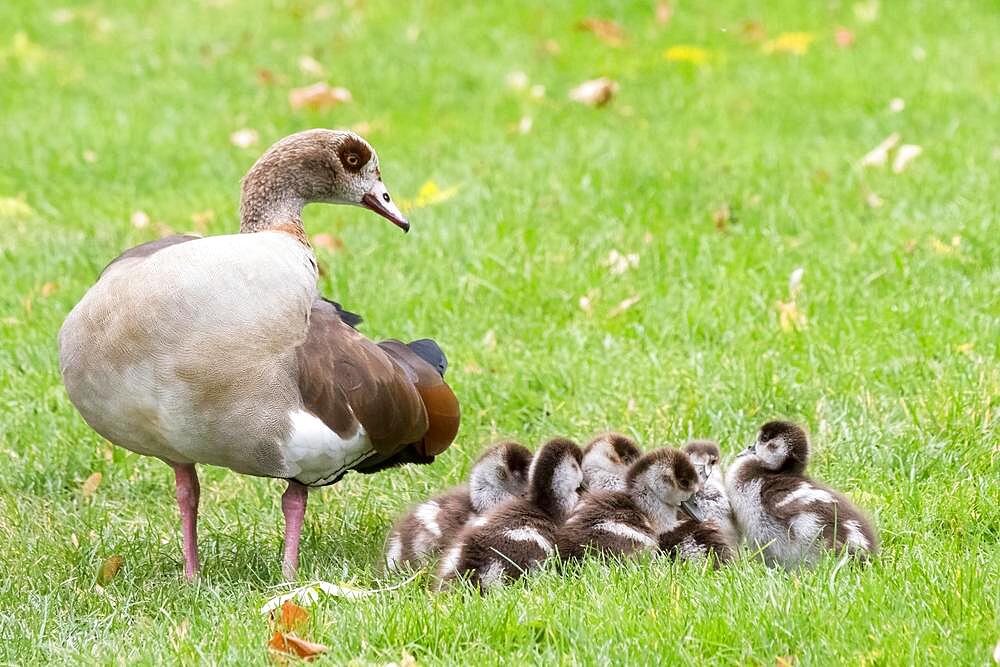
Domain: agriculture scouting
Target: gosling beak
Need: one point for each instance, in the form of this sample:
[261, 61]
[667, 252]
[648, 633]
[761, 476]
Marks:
[747, 451]
[377, 199]
[690, 508]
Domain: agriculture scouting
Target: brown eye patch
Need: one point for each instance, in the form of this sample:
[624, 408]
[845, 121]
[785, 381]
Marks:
[354, 154]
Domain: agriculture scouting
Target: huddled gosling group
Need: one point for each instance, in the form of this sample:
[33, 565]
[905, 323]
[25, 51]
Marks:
[611, 500]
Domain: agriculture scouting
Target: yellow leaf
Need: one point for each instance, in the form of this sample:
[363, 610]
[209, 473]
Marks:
[686, 54]
[596, 92]
[291, 616]
[109, 568]
[15, 208]
[796, 43]
[429, 194]
[90, 485]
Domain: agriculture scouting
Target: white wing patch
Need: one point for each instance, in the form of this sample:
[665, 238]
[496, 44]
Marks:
[807, 493]
[528, 534]
[316, 455]
[854, 535]
[427, 515]
[450, 561]
[626, 531]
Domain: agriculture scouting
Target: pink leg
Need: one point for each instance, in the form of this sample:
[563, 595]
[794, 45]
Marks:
[188, 491]
[293, 504]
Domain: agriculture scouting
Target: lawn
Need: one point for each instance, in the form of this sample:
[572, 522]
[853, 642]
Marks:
[723, 169]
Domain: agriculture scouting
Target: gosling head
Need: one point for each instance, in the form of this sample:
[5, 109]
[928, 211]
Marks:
[665, 479]
[328, 166]
[555, 478]
[782, 446]
[704, 455]
[606, 461]
[500, 474]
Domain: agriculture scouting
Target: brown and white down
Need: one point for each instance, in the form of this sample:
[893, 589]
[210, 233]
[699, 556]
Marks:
[520, 535]
[788, 517]
[221, 351]
[711, 500]
[606, 460]
[500, 474]
[627, 522]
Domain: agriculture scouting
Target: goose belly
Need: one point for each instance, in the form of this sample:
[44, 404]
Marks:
[188, 354]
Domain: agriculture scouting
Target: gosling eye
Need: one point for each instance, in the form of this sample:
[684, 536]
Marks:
[502, 475]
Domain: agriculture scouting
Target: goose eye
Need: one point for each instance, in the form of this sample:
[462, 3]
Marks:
[352, 159]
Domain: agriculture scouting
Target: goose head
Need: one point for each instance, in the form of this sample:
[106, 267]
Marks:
[663, 482]
[781, 446]
[501, 473]
[606, 461]
[704, 455]
[555, 478]
[314, 166]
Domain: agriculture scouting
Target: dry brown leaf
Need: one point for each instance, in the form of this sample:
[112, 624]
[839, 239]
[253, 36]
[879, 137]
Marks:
[785, 661]
[605, 30]
[244, 138]
[327, 242]
[472, 368]
[551, 47]
[624, 305]
[90, 484]
[843, 37]
[109, 568]
[664, 12]
[753, 31]
[291, 645]
[140, 220]
[318, 97]
[790, 318]
[595, 93]
[721, 217]
[266, 77]
[201, 219]
[48, 289]
[311, 66]
[289, 617]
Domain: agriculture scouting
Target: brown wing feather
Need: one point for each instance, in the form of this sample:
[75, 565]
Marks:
[398, 398]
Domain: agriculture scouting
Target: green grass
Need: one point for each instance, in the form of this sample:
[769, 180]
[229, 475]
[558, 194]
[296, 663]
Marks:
[897, 371]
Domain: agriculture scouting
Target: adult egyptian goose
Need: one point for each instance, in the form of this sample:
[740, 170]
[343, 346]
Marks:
[219, 350]
[500, 474]
[788, 517]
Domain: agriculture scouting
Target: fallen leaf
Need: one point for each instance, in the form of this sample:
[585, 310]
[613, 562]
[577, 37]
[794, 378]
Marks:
[472, 368]
[904, 156]
[201, 219]
[843, 37]
[517, 80]
[624, 305]
[48, 289]
[428, 194]
[605, 30]
[109, 568]
[795, 43]
[140, 220]
[89, 156]
[412, 33]
[62, 16]
[292, 645]
[897, 104]
[25, 52]
[785, 661]
[795, 282]
[311, 66]
[753, 31]
[327, 242]
[879, 155]
[490, 340]
[244, 138]
[873, 200]
[663, 13]
[290, 617]
[524, 125]
[721, 217]
[74, 540]
[551, 47]
[266, 77]
[619, 262]
[866, 12]
[595, 93]
[964, 348]
[910, 246]
[309, 594]
[790, 318]
[686, 54]
[90, 485]
[318, 97]
[537, 91]
[15, 208]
